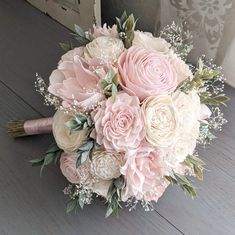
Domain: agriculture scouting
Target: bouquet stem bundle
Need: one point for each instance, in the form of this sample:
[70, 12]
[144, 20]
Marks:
[20, 128]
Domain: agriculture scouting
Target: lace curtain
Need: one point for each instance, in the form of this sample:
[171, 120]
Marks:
[213, 26]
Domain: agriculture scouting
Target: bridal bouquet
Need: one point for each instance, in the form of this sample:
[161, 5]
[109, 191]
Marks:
[129, 113]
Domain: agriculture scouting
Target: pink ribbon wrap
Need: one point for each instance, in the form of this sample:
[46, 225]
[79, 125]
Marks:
[38, 126]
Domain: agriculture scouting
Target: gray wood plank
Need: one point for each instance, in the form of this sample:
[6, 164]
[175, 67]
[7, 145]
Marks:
[31, 205]
[29, 44]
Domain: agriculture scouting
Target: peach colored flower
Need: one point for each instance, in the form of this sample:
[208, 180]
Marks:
[106, 165]
[74, 83]
[80, 175]
[144, 174]
[65, 140]
[146, 72]
[105, 31]
[119, 123]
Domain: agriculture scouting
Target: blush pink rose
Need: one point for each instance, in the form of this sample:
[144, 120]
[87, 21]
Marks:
[144, 174]
[74, 83]
[182, 69]
[105, 31]
[74, 175]
[146, 72]
[119, 123]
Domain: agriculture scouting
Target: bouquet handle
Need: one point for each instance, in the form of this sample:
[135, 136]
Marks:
[20, 128]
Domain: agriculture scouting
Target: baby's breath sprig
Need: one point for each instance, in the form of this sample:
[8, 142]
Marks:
[42, 89]
[79, 195]
[179, 38]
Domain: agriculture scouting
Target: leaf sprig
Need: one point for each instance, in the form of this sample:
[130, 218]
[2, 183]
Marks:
[205, 77]
[52, 155]
[196, 164]
[110, 84]
[85, 151]
[77, 199]
[79, 35]
[126, 26]
[79, 122]
[183, 182]
[114, 197]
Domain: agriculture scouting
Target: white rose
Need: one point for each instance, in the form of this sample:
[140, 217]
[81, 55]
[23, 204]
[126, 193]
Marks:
[183, 146]
[148, 41]
[65, 140]
[106, 165]
[105, 49]
[161, 120]
[189, 108]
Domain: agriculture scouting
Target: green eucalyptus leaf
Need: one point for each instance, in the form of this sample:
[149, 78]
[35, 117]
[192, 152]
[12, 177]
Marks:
[71, 205]
[80, 118]
[66, 46]
[37, 162]
[114, 90]
[119, 182]
[82, 158]
[53, 148]
[79, 30]
[81, 200]
[115, 80]
[109, 212]
[103, 83]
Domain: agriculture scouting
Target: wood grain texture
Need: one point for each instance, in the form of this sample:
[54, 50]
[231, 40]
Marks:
[33, 205]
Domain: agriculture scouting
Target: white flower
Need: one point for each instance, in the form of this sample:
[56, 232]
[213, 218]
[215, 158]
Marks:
[105, 49]
[148, 41]
[183, 145]
[106, 165]
[172, 124]
[188, 107]
[65, 140]
[161, 120]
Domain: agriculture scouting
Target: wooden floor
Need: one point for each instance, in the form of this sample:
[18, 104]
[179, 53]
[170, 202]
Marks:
[30, 205]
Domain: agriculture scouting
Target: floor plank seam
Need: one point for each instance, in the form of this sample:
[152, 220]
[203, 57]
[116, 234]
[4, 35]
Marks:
[23, 100]
[168, 221]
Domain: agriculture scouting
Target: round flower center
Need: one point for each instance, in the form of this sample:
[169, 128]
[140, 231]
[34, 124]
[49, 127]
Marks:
[122, 120]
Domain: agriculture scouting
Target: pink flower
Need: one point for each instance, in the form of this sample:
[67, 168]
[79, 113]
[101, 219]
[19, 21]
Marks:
[105, 31]
[144, 174]
[146, 72]
[119, 123]
[182, 69]
[74, 83]
[74, 175]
